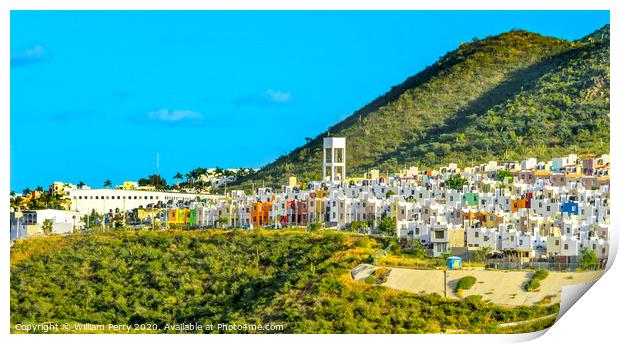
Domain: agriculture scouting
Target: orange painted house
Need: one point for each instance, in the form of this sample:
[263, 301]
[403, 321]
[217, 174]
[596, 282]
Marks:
[517, 204]
[259, 214]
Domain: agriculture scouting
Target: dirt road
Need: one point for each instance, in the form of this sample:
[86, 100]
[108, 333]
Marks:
[499, 287]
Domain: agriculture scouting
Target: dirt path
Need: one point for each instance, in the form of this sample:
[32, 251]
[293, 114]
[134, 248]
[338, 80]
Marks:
[517, 323]
[499, 287]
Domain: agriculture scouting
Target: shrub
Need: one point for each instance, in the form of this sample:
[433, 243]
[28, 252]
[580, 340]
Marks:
[315, 226]
[532, 285]
[541, 274]
[466, 283]
[588, 259]
[382, 275]
[371, 279]
[359, 226]
[388, 225]
[534, 282]
[363, 242]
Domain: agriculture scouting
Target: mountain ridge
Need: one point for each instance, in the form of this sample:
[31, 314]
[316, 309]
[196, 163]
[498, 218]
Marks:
[422, 119]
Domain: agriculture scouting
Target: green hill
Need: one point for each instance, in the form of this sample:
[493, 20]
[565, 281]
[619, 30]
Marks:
[510, 96]
[296, 279]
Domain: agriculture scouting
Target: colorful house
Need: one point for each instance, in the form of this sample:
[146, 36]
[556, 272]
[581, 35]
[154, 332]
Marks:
[192, 217]
[178, 217]
[572, 208]
[517, 204]
[259, 214]
[471, 199]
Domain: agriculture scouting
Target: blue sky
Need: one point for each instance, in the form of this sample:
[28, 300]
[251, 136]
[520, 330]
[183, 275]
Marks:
[97, 94]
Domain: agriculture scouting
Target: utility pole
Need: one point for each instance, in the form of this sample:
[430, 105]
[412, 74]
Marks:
[157, 171]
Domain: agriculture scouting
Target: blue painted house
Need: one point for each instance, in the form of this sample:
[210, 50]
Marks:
[572, 208]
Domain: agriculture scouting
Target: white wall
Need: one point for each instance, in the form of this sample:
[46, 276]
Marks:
[102, 200]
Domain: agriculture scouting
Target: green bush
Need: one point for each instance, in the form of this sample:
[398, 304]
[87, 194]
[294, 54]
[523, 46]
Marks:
[371, 279]
[534, 283]
[363, 242]
[466, 283]
[588, 259]
[315, 226]
[359, 226]
[541, 274]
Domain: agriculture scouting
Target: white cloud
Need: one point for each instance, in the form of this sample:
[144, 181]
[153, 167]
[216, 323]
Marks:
[277, 96]
[267, 97]
[166, 115]
[27, 56]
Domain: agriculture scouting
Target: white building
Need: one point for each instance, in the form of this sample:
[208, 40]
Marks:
[30, 222]
[106, 200]
[334, 158]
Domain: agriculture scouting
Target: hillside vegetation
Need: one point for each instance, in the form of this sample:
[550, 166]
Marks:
[510, 96]
[297, 279]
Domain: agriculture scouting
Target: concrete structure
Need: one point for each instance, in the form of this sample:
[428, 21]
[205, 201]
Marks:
[30, 222]
[114, 200]
[334, 158]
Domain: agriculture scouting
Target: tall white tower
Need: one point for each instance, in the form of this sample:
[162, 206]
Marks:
[334, 158]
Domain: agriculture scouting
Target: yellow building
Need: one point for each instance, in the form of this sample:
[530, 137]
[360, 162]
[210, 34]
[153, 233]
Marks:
[178, 217]
[322, 193]
[128, 185]
[144, 213]
[57, 188]
[292, 181]
[374, 174]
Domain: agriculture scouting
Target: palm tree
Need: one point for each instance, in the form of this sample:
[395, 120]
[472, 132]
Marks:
[107, 183]
[191, 177]
[178, 176]
[201, 171]
[80, 184]
[16, 202]
[26, 192]
[200, 186]
[39, 189]
[12, 193]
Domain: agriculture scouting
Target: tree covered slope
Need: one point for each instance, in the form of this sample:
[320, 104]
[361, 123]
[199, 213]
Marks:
[296, 279]
[504, 97]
